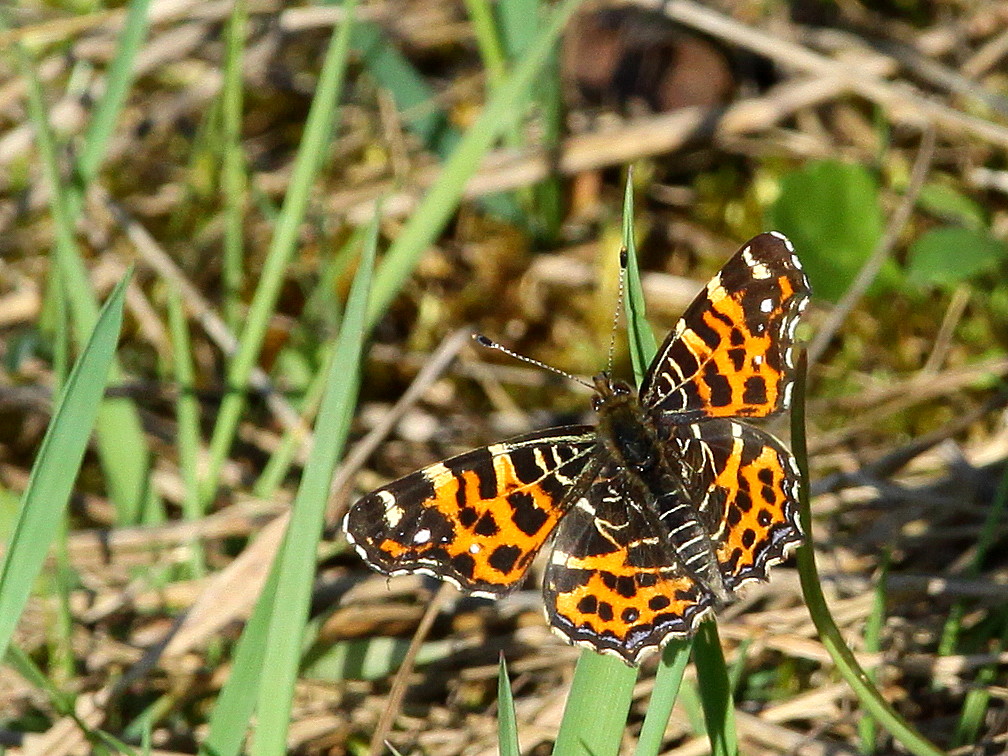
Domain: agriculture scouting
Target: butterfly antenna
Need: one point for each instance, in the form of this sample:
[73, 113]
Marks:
[483, 341]
[623, 259]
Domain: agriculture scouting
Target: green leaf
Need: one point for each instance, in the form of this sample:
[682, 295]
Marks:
[950, 205]
[948, 256]
[831, 211]
[55, 469]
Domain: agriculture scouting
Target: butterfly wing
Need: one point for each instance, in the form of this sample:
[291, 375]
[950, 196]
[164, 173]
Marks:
[745, 488]
[731, 353]
[611, 584]
[478, 519]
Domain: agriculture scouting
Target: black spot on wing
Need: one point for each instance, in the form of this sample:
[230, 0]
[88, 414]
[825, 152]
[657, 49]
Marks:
[526, 515]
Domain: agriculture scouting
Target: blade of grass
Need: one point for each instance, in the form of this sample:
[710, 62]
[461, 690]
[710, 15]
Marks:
[974, 708]
[988, 533]
[487, 41]
[62, 702]
[519, 22]
[296, 559]
[118, 425]
[118, 79]
[507, 720]
[414, 98]
[597, 706]
[867, 730]
[829, 633]
[668, 680]
[237, 700]
[715, 690]
[643, 346]
[441, 200]
[318, 132]
[233, 179]
[711, 670]
[279, 463]
[56, 465]
[187, 421]
[235, 705]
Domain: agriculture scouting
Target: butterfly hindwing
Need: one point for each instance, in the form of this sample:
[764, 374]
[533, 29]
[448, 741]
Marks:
[731, 353]
[477, 519]
[611, 583]
[745, 488]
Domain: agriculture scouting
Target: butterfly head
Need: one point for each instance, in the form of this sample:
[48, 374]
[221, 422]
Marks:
[611, 393]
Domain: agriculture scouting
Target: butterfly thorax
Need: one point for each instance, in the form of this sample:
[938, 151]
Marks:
[656, 474]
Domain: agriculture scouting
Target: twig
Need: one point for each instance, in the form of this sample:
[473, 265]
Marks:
[398, 688]
[953, 314]
[642, 137]
[901, 101]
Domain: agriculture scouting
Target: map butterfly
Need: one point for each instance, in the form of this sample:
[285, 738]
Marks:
[658, 514]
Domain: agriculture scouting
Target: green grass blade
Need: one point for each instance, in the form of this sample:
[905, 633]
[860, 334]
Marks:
[597, 706]
[949, 641]
[715, 690]
[235, 705]
[829, 633]
[974, 710]
[643, 346]
[507, 720]
[443, 197]
[519, 22]
[55, 468]
[187, 414]
[867, 730]
[668, 680]
[233, 179]
[296, 560]
[312, 150]
[117, 83]
[487, 40]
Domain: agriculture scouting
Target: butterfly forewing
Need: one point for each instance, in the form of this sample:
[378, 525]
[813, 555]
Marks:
[731, 354]
[477, 519]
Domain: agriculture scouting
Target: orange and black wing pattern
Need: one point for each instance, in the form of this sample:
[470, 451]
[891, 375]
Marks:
[613, 583]
[744, 484]
[478, 519]
[731, 354]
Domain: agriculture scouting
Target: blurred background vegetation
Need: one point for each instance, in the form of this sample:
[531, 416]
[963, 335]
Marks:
[239, 155]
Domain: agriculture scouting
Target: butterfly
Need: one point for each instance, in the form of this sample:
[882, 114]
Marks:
[655, 516]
